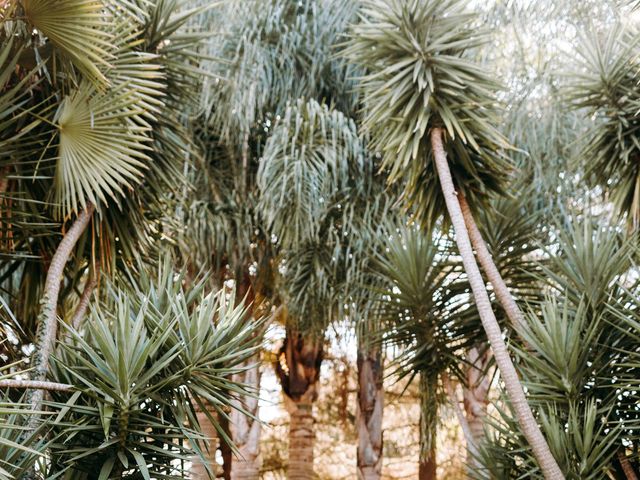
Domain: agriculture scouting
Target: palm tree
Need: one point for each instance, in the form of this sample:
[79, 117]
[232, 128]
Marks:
[426, 103]
[603, 86]
[577, 340]
[279, 54]
[310, 172]
[423, 304]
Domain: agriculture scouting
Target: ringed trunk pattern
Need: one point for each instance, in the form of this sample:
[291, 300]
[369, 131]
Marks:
[514, 314]
[298, 369]
[516, 395]
[369, 413]
[245, 430]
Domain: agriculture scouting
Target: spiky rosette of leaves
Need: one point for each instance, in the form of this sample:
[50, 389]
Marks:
[418, 75]
[605, 86]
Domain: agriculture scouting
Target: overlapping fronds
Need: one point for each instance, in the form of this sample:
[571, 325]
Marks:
[149, 353]
[275, 52]
[605, 85]
[310, 159]
[423, 301]
[419, 76]
[78, 29]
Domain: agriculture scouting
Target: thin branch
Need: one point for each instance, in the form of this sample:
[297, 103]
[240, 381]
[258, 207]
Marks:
[81, 309]
[36, 385]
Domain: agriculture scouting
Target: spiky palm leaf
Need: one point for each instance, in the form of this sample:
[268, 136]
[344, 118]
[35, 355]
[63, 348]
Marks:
[418, 76]
[605, 86]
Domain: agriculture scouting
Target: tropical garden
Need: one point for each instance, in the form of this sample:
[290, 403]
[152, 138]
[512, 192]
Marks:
[319, 239]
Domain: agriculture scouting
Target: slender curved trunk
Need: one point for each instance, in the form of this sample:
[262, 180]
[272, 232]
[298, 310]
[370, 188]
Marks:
[462, 419]
[516, 395]
[476, 392]
[298, 370]
[369, 411]
[48, 322]
[201, 470]
[427, 465]
[245, 430]
[514, 314]
[83, 304]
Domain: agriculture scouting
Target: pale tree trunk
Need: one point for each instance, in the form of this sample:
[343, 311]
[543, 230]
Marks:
[462, 419]
[427, 464]
[48, 322]
[369, 411]
[208, 469]
[515, 393]
[476, 392]
[245, 430]
[514, 314]
[298, 370]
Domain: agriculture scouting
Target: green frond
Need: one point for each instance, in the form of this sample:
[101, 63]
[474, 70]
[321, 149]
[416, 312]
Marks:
[605, 87]
[310, 159]
[418, 75]
[78, 29]
[102, 149]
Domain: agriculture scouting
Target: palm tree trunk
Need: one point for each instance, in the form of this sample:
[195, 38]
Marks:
[199, 469]
[476, 392]
[627, 468]
[427, 465]
[301, 437]
[462, 419]
[369, 412]
[83, 304]
[298, 370]
[245, 431]
[48, 322]
[516, 395]
[514, 314]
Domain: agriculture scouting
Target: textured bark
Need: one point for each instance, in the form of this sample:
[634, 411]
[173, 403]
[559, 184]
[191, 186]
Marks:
[198, 468]
[245, 430]
[627, 468]
[462, 419]
[298, 369]
[429, 412]
[32, 384]
[516, 395]
[477, 391]
[48, 323]
[83, 304]
[301, 437]
[369, 413]
[514, 314]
